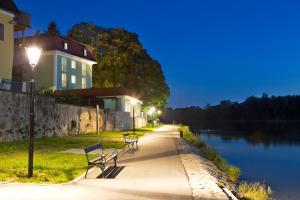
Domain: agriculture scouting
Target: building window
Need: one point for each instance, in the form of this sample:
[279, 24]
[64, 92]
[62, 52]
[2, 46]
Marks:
[127, 106]
[83, 69]
[1, 31]
[73, 64]
[64, 80]
[84, 52]
[73, 79]
[83, 80]
[65, 46]
[63, 64]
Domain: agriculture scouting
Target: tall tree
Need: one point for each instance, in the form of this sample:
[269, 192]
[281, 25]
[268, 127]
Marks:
[123, 62]
[52, 28]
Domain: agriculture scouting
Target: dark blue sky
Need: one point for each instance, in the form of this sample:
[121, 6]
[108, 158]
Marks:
[210, 50]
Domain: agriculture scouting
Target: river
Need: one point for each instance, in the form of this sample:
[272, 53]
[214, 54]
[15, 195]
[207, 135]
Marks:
[268, 152]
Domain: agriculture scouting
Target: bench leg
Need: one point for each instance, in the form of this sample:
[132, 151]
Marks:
[102, 167]
[115, 160]
[86, 171]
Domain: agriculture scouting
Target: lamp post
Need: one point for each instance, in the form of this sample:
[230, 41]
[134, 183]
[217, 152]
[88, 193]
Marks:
[159, 113]
[33, 54]
[133, 103]
[151, 113]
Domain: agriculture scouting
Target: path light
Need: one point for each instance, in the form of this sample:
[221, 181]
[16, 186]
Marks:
[33, 55]
[133, 103]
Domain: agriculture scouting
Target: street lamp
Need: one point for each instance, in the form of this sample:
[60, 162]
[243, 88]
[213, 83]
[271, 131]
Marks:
[151, 113]
[33, 55]
[159, 114]
[133, 103]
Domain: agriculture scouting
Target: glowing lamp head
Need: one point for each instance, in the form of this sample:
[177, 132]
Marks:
[33, 55]
[159, 112]
[152, 109]
[150, 112]
[134, 101]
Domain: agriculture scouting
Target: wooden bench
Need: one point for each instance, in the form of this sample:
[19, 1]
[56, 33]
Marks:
[130, 139]
[101, 159]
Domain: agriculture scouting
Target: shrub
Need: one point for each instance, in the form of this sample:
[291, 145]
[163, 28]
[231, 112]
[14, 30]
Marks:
[234, 172]
[254, 191]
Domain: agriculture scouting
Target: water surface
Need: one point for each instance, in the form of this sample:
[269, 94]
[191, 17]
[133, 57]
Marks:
[270, 155]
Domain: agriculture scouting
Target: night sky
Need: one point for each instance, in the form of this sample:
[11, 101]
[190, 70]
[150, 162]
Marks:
[210, 50]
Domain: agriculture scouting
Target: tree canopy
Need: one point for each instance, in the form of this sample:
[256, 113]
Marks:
[123, 62]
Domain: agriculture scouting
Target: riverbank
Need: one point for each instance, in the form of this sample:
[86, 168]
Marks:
[204, 177]
[224, 174]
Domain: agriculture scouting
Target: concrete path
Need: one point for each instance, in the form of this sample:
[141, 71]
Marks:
[153, 171]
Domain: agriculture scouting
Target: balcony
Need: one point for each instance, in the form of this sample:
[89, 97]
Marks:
[22, 21]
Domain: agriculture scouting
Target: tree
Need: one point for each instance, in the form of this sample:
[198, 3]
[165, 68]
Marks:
[123, 62]
[52, 28]
[253, 108]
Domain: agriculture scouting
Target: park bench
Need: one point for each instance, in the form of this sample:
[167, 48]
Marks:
[130, 140]
[101, 159]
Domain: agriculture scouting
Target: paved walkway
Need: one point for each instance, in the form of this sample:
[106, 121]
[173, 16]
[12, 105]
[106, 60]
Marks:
[154, 171]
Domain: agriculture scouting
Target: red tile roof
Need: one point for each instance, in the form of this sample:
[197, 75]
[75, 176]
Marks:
[50, 42]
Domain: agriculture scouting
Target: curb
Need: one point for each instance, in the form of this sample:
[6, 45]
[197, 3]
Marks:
[229, 194]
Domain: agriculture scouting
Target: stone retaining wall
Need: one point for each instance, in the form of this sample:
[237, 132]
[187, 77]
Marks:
[54, 119]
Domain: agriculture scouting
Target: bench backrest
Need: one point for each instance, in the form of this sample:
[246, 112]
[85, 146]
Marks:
[125, 134]
[93, 148]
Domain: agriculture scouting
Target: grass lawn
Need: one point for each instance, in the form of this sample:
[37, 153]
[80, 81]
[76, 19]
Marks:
[149, 127]
[51, 165]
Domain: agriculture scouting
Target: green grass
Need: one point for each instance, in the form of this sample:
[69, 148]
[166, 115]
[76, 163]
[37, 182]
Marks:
[211, 154]
[254, 191]
[51, 165]
[148, 127]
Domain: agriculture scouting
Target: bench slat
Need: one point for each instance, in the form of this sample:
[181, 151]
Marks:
[93, 148]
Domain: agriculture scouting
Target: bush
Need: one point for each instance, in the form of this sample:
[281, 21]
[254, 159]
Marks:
[234, 173]
[254, 191]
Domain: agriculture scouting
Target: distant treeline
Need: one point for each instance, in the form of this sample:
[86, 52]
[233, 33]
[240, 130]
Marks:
[253, 108]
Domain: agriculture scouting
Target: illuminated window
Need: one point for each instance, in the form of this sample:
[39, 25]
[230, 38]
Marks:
[73, 64]
[64, 79]
[73, 79]
[63, 64]
[83, 80]
[83, 69]
[66, 46]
